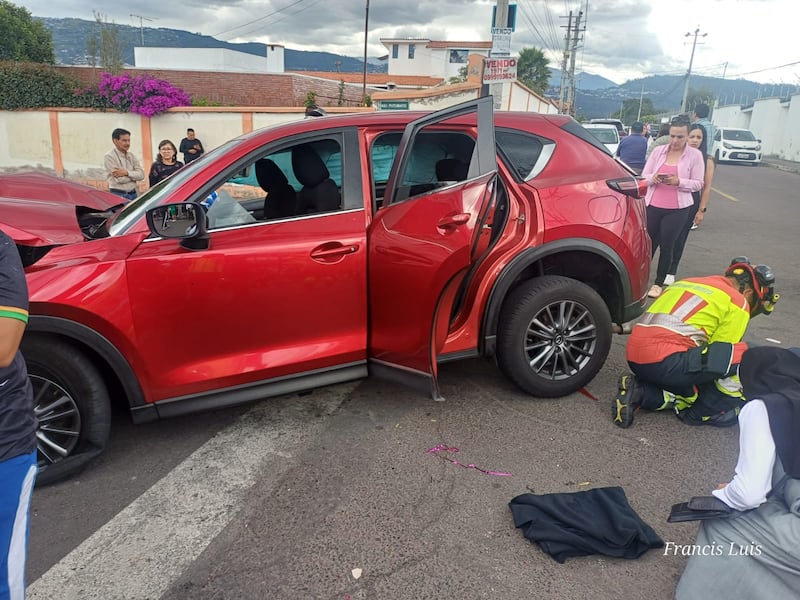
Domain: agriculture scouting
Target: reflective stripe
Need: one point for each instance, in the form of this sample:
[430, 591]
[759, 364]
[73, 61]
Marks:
[687, 307]
[730, 386]
[673, 323]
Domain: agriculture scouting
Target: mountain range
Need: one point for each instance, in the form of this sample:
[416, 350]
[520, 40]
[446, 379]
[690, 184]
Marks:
[595, 96]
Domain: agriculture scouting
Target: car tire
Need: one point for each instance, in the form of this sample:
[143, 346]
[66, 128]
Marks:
[531, 326]
[72, 406]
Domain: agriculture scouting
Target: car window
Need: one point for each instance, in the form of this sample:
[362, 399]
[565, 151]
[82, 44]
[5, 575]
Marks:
[524, 153]
[295, 181]
[437, 158]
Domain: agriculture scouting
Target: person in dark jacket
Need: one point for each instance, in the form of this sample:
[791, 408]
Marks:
[754, 553]
[166, 163]
[191, 147]
[632, 148]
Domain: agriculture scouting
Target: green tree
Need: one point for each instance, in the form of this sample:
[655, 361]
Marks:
[23, 38]
[462, 76]
[105, 48]
[699, 96]
[533, 70]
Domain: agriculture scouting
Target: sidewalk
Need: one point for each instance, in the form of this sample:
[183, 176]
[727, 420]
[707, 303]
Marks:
[784, 165]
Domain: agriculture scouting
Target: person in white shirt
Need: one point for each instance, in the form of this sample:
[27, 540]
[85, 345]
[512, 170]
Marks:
[755, 553]
[122, 167]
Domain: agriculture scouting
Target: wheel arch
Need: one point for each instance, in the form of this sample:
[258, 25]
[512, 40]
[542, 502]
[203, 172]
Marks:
[589, 261]
[113, 366]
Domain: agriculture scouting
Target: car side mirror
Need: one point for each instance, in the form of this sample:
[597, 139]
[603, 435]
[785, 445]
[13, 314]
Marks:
[185, 221]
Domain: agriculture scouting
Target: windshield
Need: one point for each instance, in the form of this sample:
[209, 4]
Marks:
[739, 135]
[159, 193]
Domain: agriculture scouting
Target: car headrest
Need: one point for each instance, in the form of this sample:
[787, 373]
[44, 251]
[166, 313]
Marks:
[269, 175]
[451, 169]
[308, 166]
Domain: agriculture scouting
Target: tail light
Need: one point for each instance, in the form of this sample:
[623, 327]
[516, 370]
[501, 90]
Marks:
[635, 187]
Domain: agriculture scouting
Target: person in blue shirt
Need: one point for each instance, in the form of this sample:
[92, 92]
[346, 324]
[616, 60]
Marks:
[633, 148]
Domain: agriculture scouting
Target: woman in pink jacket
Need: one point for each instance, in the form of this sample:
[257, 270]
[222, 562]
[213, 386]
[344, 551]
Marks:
[673, 171]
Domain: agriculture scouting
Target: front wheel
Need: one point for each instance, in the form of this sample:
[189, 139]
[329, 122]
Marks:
[71, 404]
[554, 336]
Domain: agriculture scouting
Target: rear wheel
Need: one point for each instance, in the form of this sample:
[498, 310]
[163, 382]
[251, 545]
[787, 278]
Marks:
[554, 336]
[72, 405]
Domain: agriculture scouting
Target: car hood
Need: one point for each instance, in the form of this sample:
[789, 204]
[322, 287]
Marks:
[42, 210]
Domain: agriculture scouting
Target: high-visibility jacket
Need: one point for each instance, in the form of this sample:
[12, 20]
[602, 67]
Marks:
[690, 313]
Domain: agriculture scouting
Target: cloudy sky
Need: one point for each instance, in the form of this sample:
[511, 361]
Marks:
[624, 39]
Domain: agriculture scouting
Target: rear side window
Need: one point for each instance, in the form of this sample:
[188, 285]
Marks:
[580, 131]
[524, 153]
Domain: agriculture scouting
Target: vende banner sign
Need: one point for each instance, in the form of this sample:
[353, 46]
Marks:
[499, 69]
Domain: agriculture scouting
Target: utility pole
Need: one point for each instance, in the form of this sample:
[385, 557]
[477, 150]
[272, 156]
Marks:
[562, 89]
[364, 79]
[500, 20]
[141, 24]
[575, 39]
[641, 99]
[689, 72]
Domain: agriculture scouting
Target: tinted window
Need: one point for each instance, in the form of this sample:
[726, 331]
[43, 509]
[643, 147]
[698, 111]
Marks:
[524, 153]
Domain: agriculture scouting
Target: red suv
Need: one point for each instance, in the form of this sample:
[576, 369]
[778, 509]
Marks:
[322, 251]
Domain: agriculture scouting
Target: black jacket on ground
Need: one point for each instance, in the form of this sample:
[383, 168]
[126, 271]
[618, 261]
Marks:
[598, 521]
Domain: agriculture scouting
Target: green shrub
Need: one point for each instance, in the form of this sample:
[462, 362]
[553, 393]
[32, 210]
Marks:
[35, 85]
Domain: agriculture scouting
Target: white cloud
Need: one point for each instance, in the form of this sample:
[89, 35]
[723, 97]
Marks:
[624, 39]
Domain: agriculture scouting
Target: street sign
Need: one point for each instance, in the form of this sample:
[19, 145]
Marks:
[501, 41]
[394, 104]
[497, 70]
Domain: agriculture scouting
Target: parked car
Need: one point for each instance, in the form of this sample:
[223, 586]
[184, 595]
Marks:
[736, 146]
[622, 131]
[386, 243]
[607, 134]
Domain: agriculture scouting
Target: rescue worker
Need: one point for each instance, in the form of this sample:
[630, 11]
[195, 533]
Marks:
[685, 350]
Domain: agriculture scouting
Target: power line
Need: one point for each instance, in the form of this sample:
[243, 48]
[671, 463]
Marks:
[791, 64]
[250, 22]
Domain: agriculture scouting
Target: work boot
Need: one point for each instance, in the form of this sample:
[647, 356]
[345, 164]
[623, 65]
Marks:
[629, 398]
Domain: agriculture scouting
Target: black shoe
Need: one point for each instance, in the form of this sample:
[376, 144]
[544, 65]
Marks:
[628, 400]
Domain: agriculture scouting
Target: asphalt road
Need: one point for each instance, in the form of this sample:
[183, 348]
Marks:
[332, 496]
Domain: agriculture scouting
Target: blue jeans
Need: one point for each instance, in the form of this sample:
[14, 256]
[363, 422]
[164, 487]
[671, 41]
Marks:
[123, 194]
[17, 476]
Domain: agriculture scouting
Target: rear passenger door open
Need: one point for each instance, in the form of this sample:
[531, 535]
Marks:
[421, 243]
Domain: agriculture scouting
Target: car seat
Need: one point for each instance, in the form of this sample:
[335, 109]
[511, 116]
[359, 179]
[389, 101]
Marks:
[320, 193]
[451, 169]
[281, 199]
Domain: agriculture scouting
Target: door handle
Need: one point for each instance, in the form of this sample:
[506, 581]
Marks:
[453, 221]
[326, 252]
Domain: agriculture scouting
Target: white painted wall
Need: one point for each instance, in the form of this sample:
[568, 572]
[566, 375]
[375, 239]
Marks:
[209, 59]
[774, 121]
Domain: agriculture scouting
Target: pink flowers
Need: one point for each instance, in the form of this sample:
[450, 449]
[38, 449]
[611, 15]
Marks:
[143, 95]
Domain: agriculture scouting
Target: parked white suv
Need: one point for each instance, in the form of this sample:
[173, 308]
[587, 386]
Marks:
[736, 145]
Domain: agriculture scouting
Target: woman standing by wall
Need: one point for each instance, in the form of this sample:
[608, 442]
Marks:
[673, 172]
[166, 163]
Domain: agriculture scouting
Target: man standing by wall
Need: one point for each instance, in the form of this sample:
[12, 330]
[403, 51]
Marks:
[633, 148]
[123, 169]
[700, 117]
[191, 147]
[17, 425]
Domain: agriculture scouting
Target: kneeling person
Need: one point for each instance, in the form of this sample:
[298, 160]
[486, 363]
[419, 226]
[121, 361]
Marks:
[685, 350]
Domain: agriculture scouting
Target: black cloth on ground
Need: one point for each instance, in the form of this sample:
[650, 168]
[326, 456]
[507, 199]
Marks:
[596, 521]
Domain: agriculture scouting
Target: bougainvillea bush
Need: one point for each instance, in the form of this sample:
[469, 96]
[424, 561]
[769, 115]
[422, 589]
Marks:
[143, 95]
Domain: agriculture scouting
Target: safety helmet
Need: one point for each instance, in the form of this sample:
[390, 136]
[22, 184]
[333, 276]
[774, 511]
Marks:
[760, 278]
